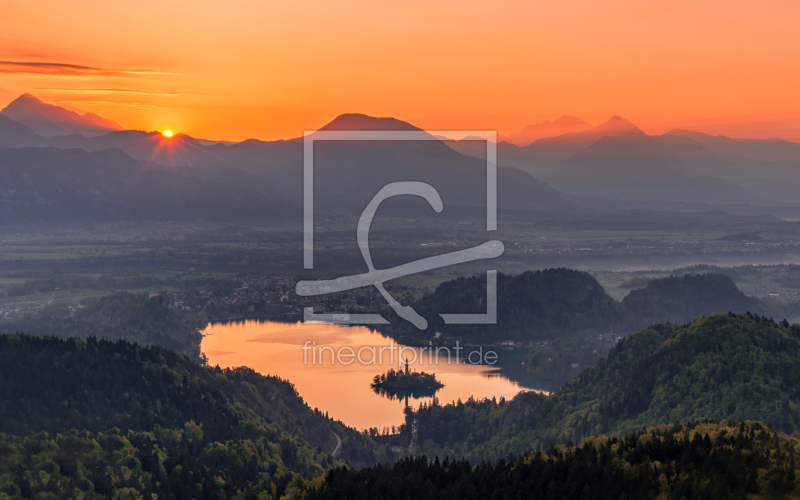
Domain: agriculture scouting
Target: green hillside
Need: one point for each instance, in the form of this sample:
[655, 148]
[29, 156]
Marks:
[101, 416]
[735, 366]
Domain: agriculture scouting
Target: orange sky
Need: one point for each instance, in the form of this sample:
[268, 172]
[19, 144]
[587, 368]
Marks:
[270, 69]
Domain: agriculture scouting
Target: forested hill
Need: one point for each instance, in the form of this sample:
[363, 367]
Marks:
[177, 425]
[558, 303]
[706, 460]
[736, 366]
[681, 299]
[532, 305]
[122, 315]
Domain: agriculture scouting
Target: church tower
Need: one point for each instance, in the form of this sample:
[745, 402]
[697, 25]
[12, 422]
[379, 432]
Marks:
[406, 367]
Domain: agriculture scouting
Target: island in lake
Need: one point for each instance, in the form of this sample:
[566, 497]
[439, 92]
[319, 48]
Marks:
[402, 382]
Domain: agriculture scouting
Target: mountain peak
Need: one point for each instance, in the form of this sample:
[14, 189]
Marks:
[563, 125]
[618, 121]
[358, 121]
[616, 125]
[51, 120]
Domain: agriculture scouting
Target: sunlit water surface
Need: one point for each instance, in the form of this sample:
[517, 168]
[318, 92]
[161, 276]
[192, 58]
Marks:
[275, 348]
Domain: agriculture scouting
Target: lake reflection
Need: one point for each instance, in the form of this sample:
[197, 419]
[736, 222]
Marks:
[275, 348]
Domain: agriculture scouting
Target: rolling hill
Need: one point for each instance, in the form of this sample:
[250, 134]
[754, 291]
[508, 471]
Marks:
[104, 418]
[723, 366]
[534, 305]
[559, 303]
[681, 299]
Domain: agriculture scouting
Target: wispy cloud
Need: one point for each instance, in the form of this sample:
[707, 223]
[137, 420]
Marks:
[117, 103]
[62, 69]
[112, 91]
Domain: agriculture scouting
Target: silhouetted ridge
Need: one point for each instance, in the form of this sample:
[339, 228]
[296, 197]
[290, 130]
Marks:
[51, 120]
[358, 121]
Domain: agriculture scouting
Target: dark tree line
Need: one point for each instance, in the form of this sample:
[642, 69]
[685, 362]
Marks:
[709, 460]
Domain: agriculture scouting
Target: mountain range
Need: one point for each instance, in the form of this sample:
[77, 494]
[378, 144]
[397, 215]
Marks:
[349, 172]
[50, 184]
[617, 161]
[613, 165]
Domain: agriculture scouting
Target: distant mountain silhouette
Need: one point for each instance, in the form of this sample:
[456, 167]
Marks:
[13, 134]
[613, 126]
[618, 161]
[349, 173]
[546, 154]
[470, 145]
[635, 166]
[559, 126]
[358, 121]
[176, 151]
[770, 168]
[614, 162]
[754, 149]
[50, 120]
[62, 185]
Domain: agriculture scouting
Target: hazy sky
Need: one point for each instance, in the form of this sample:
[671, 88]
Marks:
[271, 69]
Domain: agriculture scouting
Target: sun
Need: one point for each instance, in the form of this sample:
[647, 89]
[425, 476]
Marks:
[167, 133]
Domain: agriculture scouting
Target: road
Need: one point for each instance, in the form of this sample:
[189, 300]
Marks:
[338, 445]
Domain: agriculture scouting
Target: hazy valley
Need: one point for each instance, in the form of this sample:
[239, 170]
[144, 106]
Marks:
[646, 310]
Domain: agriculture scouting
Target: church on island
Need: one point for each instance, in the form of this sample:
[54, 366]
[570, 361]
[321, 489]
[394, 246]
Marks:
[406, 380]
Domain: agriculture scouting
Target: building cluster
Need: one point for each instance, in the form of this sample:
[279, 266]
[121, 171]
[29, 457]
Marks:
[12, 313]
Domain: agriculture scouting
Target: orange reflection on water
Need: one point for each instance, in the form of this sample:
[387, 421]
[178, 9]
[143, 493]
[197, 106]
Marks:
[274, 348]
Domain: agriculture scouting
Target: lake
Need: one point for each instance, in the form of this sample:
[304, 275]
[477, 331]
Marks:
[303, 354]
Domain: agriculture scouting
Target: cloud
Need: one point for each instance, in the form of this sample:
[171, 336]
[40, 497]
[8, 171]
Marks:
[62, 69]
[97, 101]
[112, 91]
